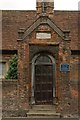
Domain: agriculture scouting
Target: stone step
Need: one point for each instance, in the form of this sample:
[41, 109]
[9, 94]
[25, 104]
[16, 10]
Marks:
[43, 107]
[43, 111]
[43, 115]
[25, 118]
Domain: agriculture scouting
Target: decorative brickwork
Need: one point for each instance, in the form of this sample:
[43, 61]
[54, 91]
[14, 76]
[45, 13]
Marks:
[19, 29]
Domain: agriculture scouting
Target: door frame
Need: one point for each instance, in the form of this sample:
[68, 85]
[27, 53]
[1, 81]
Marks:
[33, 76]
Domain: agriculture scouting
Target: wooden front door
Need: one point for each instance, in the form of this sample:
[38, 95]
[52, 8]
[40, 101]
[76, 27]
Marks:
[44, 82]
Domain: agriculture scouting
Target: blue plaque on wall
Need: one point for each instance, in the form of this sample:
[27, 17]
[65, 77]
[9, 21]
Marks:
[64, 67]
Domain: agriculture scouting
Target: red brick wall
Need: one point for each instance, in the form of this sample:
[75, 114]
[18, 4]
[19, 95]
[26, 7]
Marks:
[66, 20]
[9, 97]
[12, 21]
[12, 104]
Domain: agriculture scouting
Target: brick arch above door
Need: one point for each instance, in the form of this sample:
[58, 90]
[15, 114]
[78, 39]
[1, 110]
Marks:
[35, 49]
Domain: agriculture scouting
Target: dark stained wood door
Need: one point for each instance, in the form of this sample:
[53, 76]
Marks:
[44, 84]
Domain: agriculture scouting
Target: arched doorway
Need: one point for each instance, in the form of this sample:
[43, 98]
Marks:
[43, 79]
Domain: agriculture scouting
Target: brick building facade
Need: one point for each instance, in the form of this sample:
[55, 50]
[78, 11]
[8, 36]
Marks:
[46, 42]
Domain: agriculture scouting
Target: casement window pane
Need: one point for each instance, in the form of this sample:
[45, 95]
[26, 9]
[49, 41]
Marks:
[2, 69]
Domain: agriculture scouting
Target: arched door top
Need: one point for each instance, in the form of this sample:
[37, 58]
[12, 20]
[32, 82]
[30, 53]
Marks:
[43, 58]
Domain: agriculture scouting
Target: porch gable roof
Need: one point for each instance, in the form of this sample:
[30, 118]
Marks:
[44, 20]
